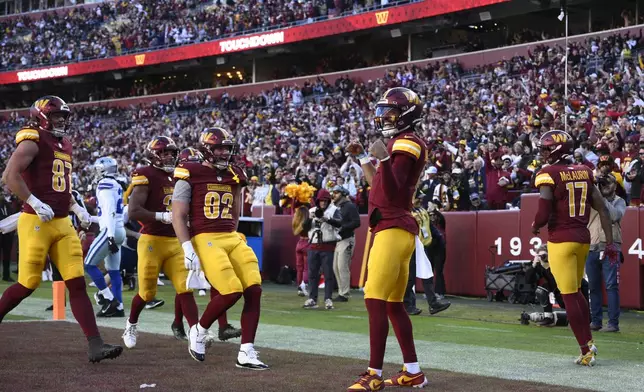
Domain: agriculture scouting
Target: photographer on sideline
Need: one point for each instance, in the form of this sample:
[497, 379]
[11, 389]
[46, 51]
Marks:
[323, 238]
[597, 264]
[347, 224]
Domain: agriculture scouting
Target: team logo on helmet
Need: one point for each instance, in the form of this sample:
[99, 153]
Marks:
[217, 146]
[50, 113]
[399, 110]
[162, 152]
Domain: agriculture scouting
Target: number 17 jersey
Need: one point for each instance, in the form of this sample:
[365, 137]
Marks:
[572, 187]
[214, 205]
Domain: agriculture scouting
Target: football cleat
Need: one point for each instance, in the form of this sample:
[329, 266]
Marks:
[405, 379]
[229, 332]
[111, 309]
[250, 360]
[328, 304]
[100, 300]
[130, 334]
[155, 303]
[368, 381]
[310, 304]
[588, 359]
[179, 331]
[197, 343]
[99, 351]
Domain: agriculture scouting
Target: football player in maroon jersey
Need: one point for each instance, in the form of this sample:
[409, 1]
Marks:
[393, 185]
[567, 192]
[206, 205]
[39, 172]
[226, 331]
[157, 248]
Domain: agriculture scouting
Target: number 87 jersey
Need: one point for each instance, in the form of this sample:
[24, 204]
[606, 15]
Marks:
[572, 190]
[215, 195]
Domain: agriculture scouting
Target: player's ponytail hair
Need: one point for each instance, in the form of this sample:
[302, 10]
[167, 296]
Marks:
[301, 221]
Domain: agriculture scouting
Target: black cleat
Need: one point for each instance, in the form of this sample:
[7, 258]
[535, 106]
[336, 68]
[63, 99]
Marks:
[100, 299]
[229, 332]
[155, 303]
[111, 309]
[97, 353]
[179, 331]
[414, 311]
[438, 306]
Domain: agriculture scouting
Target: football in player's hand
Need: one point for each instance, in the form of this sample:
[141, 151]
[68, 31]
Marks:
[354, 148]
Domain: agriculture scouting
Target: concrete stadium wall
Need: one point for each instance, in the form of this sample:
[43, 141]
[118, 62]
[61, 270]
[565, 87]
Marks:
[474, 241]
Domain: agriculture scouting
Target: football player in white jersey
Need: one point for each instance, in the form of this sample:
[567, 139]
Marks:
[107, 245]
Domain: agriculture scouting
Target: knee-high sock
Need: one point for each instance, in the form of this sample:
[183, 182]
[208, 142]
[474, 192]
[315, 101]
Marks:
[117, 284]
[97, 276]
[81, 306]
[577, 319]
[189, 307]
[378, 331]
[12, 297]
[403, 329]
[178, 313]
[216, 307]
[250, 313]
[223, 319]
[583, 305]
[138, 304]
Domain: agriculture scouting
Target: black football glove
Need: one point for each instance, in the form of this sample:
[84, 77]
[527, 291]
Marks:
[111, 244]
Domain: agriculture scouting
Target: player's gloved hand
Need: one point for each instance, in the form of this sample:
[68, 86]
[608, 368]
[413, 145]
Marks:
[612, 253]
[111, 244]
[82, 215]
[44, 211]
[164, 217]
[190, 258]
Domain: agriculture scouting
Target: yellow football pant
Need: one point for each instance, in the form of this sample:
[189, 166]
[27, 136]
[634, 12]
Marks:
[388, 265]
[158, 253]
[567, 261]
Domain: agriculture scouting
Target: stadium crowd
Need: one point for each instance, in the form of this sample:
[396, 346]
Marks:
[117, 27]
[482, 125]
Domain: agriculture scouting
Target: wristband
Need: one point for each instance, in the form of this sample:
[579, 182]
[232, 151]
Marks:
[187, 247]
[33, 201]
[76, 208]
[158, 216]
[365, 160]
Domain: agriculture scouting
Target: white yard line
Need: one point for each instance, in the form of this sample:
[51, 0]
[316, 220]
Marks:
[484, 361]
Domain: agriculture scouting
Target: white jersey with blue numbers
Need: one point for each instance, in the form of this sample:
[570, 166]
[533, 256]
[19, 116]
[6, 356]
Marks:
[109, 196]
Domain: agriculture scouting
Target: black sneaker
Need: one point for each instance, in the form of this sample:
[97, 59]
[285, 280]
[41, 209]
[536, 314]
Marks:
[179, 331]
[100, 299]
[414, 311]
[438, 306]
[111, 309]
[229, 332]
[341, 298]
[155, 303]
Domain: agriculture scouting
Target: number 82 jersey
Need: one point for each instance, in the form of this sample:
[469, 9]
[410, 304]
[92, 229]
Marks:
[572, 187]
[49, 176]
[215, 194]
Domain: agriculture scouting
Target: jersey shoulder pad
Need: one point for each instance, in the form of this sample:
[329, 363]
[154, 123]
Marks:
[182, 172]
[409, 145]
[27, 133]
[544, 177]
[140, 176]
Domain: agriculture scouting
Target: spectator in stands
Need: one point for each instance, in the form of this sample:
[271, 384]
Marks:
[437, 251]
[497, 181]
[635, 176]
[597, 265]
[476, 203]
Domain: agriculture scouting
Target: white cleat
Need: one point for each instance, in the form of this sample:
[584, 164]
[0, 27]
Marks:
[197, 343]
[250, 360]
[130, 335]
[328, 304]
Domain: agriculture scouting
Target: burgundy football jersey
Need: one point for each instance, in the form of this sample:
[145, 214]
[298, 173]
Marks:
[572, 186]
[160, 187]
[215, 203]
[396, 211]
[49, 176]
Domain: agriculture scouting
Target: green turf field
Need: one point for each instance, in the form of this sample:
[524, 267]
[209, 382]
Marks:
[469, 321]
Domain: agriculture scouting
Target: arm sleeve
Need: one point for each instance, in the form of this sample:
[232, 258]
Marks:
[395, 171]
[182, 191]
[617, 210]
[354, 217]
[107, 202]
